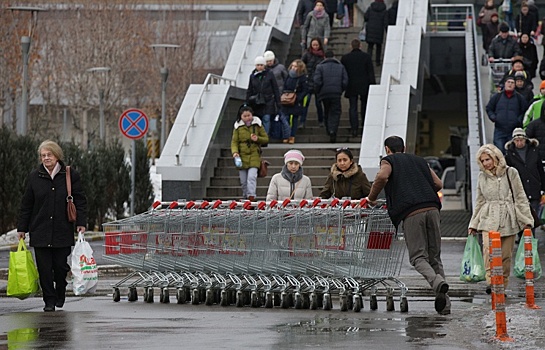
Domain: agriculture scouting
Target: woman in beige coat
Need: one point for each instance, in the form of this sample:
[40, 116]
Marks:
[498, 206]
[290, 183]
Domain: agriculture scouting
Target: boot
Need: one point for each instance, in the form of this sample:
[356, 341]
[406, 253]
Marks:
[251, 198]
[285, 141]
[291, 139]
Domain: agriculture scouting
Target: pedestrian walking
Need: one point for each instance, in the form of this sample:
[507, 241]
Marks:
[411, 196]
[330, 80]
[312, 57]
[500, 205]
[248, 137]
[296, 82]
[43, 215]
[278, 70]
[361, 74]
[316, 25]
[376, 23]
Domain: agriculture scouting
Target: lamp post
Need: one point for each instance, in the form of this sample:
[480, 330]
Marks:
[161, 52]
[103, 72]
[25, 48]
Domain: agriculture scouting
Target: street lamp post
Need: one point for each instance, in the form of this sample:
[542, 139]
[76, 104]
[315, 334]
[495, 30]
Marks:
[103, 71]
[161, 51]
[25, 48]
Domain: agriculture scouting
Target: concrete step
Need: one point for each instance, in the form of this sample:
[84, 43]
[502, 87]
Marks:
[310, 171]
[233, 181]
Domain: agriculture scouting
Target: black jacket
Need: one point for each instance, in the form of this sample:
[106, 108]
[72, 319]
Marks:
[263, 82]
[304, 7]
[330, 79]
[361, 74]
[530, 170]
[536, 130]
[311, 60]
[43, 208]
[376, 19]
[300, 86]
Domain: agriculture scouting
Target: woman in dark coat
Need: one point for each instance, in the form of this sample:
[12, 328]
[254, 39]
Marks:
[262, 94]
[529, 52]
[312, 57]
[44, 216]
[346, 178]
[376, 19]
[296, 81]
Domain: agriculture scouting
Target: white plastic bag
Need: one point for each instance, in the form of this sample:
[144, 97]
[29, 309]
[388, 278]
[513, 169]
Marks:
[84, 268]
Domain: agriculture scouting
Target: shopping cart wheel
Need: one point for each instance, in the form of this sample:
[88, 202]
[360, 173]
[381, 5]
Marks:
[209, 297]
[180, 296]
[350, 300]
[327, 302]
[373, 303]
[116, 295]
[148, 294]
[277, 300]
[404, 305]
[240, 299]
[253, 299]
[133, 295]
[306, 300]
[217, 296]
[284, 300]
[320, 300]
[357, 303]
[195, 300]
[313, 301]
[344, 302]
[268, 300]
[298, 300]
[224, 299]
[390, 303]
[164, 297]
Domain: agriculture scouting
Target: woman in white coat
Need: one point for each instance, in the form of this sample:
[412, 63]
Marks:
[290, 182]
[501, 205]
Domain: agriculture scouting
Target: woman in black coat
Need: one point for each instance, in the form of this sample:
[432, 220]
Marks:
[262, 94]
[44, 216]
[376, 19]
[312, 57]
[529, 52]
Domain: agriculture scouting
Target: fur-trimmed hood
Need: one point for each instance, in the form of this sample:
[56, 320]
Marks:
[255, 121]
[495, 153]
[336, 172]
[529, 142]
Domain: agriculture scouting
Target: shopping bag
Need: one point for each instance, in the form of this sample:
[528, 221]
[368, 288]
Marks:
[22, 274]
[472, 268]
[84, 268]
[520, 267]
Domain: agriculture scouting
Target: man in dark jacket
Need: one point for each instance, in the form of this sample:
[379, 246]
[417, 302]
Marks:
[331, 9]
[411, 196]
[361, 74]
[536, 129]
[506, 110]
[503, 46]
[303, 9]
[376, 23]
[330, 80]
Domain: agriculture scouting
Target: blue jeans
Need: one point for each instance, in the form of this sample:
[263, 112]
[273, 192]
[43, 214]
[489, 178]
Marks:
[293, 121]
[500, 139]
[266, 120]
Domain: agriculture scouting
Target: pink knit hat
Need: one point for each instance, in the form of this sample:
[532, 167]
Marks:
[294, 155]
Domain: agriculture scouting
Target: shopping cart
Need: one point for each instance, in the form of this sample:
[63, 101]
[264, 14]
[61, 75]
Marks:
[496, 71]
[293, 253]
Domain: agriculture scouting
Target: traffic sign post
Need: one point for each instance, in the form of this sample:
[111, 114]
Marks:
[133, 124]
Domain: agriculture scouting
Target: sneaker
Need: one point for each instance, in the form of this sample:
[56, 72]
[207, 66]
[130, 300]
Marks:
[59, 303]
[49, 308]
[441, 297]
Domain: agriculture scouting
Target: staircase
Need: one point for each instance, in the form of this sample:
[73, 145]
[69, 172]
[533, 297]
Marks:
[312, 140]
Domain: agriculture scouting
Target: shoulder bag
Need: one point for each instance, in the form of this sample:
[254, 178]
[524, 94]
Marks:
[70, 207]
[288, 98]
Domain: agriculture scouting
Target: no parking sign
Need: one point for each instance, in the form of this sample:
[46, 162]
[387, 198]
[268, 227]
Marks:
[133, 123]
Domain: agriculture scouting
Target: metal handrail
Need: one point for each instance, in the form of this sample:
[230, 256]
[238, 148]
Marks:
[247, 43]
[210, 79]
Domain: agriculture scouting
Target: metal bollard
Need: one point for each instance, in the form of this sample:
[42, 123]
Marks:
[498, 289]
[529, 266]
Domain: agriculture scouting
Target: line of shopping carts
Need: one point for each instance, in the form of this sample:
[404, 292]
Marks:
[287, 254]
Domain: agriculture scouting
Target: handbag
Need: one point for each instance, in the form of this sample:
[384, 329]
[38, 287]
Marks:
[537, 221]
[288, 98]
[519, 270]
[23, 280]
[263, 167]
[70, 206]
[84, 267]
[472, 267]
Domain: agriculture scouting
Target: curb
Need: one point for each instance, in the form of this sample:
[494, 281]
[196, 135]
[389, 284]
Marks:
[90, 238]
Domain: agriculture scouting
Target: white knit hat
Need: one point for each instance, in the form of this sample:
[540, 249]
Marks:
[269, 56]
[519, 133]
[295, 156]
[260, 60]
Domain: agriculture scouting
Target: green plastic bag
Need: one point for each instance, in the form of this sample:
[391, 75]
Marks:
[22, 275]
[520, 266]
[472, 268]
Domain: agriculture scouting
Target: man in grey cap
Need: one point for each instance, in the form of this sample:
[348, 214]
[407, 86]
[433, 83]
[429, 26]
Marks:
[503, 46]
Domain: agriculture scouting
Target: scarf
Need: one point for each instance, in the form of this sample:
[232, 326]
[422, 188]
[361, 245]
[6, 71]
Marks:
[319, 52]
[292, 178]
[319, 14]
